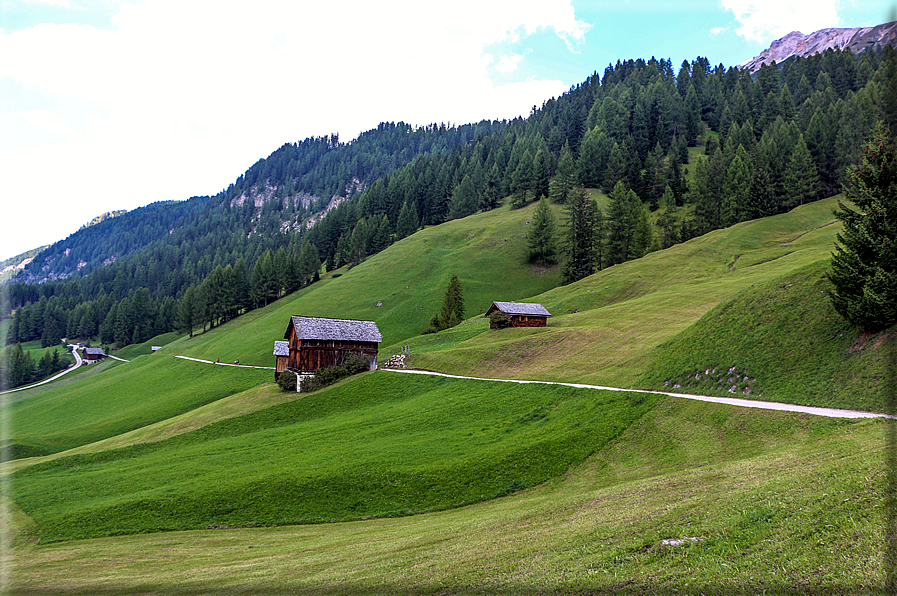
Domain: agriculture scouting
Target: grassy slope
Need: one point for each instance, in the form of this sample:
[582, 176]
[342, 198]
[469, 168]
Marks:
[778, 502]
[764, 491]
[126, 396]
[606, 326]
[486, 251]
[786, 338]
[381, 446]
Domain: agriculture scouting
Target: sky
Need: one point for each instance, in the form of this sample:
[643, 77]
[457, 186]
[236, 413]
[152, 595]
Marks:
[115, 104]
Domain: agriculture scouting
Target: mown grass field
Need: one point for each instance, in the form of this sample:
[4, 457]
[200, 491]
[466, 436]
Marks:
[124, 397]
[764, 501]
[381, 446]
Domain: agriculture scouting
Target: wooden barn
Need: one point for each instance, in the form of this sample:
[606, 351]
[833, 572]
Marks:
[282, 353]
[93, 354]
[519, 314]
[316, 342]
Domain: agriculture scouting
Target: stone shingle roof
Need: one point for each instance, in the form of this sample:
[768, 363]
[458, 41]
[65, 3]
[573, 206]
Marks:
[520, 308]
[95, 351]
[281, 348]
[334, 329]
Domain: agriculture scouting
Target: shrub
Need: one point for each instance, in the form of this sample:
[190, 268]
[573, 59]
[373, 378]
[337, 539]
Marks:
[352, 365]
[287, 381]
[499, 320]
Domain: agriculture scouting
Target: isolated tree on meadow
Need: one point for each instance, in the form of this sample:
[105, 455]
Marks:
[864, 265]
[452, 311]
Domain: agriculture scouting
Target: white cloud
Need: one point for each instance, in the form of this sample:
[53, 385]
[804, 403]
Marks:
[765, 20]
[49, 121]
[717, 30]
[508, 64]
[60, 3]
[185, 95]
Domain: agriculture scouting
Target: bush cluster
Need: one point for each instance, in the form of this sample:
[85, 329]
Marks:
[499, 320]
[352, 365]
[287, 381]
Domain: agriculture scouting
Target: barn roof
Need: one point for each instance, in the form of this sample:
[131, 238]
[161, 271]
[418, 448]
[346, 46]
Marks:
[334, 329]
[520, 308]
[281, 348]
[95, 351]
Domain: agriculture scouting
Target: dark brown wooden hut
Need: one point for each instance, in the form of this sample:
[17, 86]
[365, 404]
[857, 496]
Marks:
[282, 353]
[316, 342]
[93, 354]
[522, 314]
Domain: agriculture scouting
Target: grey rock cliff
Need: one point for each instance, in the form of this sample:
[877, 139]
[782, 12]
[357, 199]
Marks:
[797, 44]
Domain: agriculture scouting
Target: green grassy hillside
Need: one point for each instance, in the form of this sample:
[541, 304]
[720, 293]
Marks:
[763, 501]
[607, 326]
[779, 340]
[384, 445]
[773, 501]
[486, 251]
[123, 397]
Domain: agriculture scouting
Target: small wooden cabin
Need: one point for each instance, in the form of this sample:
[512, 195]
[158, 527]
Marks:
[94, 354]
[282, 352]
[522, 314]
[315, 342]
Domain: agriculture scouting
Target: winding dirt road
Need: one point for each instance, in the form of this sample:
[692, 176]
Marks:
[78, 363]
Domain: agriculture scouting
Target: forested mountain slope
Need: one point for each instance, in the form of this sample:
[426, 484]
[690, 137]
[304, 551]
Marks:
[702, 148]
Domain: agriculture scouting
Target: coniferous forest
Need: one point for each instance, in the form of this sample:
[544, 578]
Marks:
[765, 142]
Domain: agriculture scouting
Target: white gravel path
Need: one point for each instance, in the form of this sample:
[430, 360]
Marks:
[731, 401]
[224, 363]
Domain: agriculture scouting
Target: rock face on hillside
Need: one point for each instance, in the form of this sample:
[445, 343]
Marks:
[798, 44]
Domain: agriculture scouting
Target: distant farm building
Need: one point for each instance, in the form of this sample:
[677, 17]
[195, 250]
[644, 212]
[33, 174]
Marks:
[93, 354]
[518, 314]
[282, 352]
[315, 342]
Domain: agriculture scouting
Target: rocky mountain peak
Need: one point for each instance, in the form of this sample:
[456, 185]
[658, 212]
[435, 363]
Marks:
[857, 39]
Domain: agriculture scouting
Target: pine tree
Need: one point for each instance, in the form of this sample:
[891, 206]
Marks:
[801, 178]
[864, 266]
[737, 188]
[580, 236]
[408, 222]
[309, 264]
[542, 241]
[452, 311]
[669, 220]
[464, 199]
[522, 181]
[565, 179]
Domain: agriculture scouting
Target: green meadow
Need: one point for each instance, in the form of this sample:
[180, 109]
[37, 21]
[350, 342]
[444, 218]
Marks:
[162, 475]
[691, 497]
[382, 446]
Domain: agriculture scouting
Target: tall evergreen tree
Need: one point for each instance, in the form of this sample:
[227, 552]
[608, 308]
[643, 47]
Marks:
[801, 177]
[580, 236]
[565, 179]
[408, 221]
[452, 311]
[864, 266]
[542, 235]
[464, 199]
